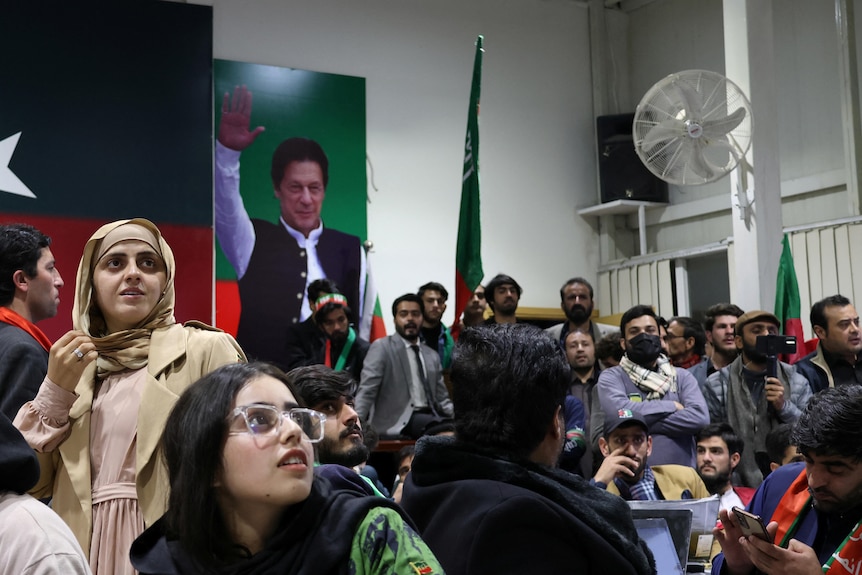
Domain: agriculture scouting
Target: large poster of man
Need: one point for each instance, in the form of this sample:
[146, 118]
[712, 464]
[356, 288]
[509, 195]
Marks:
[290, 192]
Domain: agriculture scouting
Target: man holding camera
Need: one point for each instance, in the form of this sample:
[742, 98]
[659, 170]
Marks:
[743, 395]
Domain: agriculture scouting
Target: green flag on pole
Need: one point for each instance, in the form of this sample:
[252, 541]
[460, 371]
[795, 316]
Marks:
[787, 307]
[468, 257]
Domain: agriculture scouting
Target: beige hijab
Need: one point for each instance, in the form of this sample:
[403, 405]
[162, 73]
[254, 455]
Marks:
[127, 349]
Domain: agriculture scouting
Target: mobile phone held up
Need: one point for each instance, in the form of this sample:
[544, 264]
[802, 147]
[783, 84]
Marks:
[751, 524]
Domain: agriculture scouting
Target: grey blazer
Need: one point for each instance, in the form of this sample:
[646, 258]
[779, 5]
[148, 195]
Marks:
[23, 365]
[384, 399]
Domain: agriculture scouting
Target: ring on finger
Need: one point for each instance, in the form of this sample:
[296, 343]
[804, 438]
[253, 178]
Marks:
[78, 353]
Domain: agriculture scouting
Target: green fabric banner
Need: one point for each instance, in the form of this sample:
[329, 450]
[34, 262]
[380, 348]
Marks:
[468, 258]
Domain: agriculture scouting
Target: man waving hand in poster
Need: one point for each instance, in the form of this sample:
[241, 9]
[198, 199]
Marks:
[274, 262]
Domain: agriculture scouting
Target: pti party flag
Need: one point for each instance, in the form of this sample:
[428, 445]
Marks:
[468, 257]
[371, 326]
[378, 328]
[787, 307]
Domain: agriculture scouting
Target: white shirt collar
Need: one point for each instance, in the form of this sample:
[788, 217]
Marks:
[300, 238]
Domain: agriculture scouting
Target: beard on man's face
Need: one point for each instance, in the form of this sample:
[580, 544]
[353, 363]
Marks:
[826, 501]
[638, 471]
[751, 353]
[338, 336]
[715, 481]
[345, 451]
[409, 331]
[506, 306]
[579, 314]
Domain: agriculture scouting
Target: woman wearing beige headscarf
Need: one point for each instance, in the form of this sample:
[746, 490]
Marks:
[111, 382]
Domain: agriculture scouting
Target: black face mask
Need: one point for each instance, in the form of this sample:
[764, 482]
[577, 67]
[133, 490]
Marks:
[643, 349]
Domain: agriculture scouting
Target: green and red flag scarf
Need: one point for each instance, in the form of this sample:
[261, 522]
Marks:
[468, 257]
[790, 513]
[787, 307]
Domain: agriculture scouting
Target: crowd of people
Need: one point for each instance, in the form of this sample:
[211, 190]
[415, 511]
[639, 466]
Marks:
[135, 444]
[155, 448]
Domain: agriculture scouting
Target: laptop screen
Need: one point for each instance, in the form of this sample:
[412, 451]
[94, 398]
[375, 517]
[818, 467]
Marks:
[704, 512]
[656, 535]
[679, 524]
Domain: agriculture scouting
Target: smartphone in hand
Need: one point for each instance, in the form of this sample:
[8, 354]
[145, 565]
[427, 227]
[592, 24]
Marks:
[751, 524]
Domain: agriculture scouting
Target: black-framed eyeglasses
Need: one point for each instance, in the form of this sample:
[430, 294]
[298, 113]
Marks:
[262, 419]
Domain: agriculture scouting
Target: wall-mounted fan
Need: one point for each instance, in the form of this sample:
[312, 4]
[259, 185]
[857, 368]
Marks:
[692, 127]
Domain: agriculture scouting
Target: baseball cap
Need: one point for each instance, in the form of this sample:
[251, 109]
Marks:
[622, 417]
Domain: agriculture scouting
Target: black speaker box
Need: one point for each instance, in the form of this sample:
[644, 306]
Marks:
[622, 175]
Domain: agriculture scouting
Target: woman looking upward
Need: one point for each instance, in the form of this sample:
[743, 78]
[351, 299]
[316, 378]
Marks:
[111, 383]
[245, 499]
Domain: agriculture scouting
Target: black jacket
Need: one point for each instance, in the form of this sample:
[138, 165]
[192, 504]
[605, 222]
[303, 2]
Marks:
[306, 345]
[481, 512]
[19, 468]
[314, 538]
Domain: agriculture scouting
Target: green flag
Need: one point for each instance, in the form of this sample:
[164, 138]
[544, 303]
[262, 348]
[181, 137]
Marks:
[787, 307]
[468, 257]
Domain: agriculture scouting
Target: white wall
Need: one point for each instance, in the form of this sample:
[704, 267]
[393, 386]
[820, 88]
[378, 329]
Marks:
[537, 151]
[537, 126]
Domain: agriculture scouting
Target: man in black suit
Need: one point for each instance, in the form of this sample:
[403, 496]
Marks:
[276, 262]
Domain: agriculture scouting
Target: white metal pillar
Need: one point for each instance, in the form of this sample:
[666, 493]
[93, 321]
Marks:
[750, 63]
[846, 29]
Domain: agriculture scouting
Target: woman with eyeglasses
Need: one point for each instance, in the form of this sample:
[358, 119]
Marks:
[98, 416]
[244, 497]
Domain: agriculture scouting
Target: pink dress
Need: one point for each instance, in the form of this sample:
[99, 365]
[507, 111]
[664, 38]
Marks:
[117, 519]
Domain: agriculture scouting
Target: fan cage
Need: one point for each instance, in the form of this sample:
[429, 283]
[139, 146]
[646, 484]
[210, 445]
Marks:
[675, 107]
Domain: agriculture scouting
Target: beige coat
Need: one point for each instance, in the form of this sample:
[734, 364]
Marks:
[178, 356]
[672, 480]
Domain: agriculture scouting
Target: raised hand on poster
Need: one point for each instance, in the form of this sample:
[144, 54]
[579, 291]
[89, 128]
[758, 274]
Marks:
[233, 130]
